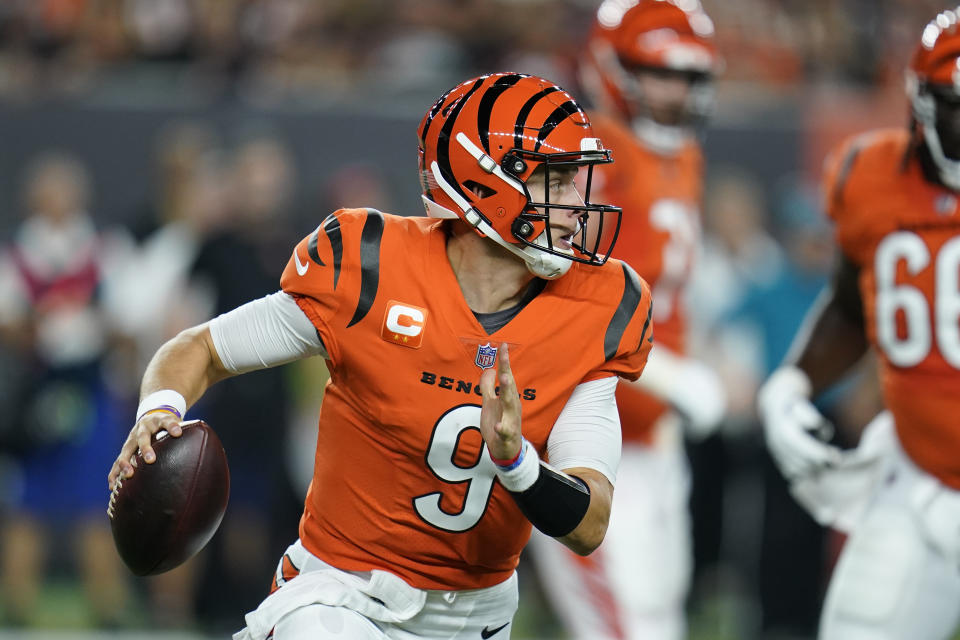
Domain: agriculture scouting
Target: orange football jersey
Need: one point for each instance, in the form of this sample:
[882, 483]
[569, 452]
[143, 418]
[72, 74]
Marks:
[660, 197]
[402, 480]
[903, 231]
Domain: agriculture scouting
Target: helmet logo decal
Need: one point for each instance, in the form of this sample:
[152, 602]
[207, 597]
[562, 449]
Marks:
[486, 356]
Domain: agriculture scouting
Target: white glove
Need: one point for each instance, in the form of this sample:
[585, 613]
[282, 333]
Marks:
[691, 387]
[794, 430]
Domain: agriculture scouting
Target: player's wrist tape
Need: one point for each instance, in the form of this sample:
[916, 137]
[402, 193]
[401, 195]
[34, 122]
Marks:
[520, 473]
[166, 400]
[515, 461]
[553, 502]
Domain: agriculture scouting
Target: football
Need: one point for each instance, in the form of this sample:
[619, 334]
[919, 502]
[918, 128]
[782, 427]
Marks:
[167, 511]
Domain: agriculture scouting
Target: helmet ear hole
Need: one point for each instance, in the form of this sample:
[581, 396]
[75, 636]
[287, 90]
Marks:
[480, 190]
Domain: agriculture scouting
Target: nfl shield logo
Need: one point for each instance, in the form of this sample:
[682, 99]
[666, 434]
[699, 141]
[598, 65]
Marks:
[486, 356]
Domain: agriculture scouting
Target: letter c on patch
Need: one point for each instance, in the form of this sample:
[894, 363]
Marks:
[403, 324]
[406, 321]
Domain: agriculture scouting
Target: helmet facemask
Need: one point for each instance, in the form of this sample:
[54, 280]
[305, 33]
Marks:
[598, 225]
[937, 109]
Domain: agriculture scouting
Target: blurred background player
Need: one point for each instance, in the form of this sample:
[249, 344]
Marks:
[649, 68]
[893, 196]
[53, 322]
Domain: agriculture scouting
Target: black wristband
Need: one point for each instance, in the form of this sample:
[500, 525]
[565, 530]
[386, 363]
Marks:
[556, 503]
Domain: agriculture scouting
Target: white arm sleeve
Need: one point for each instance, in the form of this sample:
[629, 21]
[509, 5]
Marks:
[264, 333]
[587, 433]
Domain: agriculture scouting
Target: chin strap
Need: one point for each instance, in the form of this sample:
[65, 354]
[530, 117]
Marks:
[540, 263]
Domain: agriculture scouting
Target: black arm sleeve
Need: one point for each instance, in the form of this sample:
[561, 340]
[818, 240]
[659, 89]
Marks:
[556, 503]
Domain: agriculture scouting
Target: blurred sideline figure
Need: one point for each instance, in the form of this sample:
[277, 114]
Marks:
[649, 70]
[772, 310]
[893, 196]
[188, 199]
[53, 321]
[236, 262]
[441, 332]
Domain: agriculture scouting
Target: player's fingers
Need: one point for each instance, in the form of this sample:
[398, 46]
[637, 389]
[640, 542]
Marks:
[122, 466]
[113, 475]
[808, 455]
[488, 384]
[490, 408]
[505, 373]
[149, 425]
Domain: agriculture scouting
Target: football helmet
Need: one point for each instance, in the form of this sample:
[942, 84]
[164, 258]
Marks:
[483, 139]
[933, 85]
[658, 38]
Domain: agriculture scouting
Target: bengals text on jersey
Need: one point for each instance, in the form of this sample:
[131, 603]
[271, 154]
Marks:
[402, 481]
[903, 232]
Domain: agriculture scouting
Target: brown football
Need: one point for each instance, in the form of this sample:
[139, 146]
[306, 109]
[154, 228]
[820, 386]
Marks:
[167, 511]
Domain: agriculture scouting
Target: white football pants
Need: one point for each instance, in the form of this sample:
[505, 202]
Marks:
[634, 586]
[898, 576]
[324, 603]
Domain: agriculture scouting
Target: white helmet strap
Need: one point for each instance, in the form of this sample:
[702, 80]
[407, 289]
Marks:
[540, 263]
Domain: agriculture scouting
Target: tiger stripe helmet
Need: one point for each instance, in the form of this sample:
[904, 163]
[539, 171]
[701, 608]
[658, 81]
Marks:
[933, 86]
[660, 36]
[481, 141]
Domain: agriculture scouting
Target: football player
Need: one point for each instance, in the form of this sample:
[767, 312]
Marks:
[439, 333]
[893, 196]
[648, 67]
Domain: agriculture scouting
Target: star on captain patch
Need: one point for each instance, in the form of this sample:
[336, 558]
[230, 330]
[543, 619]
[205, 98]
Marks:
[486, 356]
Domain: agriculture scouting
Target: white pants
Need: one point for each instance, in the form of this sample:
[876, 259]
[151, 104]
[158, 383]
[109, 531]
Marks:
[898, 577]
[635, 585]
[323, 603]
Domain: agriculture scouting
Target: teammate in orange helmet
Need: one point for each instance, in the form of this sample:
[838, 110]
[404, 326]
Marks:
[893, 196]
[439, 332]
[648, 67]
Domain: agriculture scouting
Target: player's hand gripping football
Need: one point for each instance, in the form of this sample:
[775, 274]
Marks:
[500, 413]
[795, 431]
[139, 438]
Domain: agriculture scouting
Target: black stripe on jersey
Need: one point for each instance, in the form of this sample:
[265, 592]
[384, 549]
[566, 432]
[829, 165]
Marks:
[845, 168]
[646, 325]
[485, 109]
[524, 113]
[632, 293]
[559, 114]
[312, 244]
[370, 239]
[443, 141]
[332, 226]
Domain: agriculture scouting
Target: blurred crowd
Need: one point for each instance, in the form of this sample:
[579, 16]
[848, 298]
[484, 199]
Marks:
[84, 304]
[267, 49]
